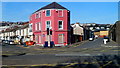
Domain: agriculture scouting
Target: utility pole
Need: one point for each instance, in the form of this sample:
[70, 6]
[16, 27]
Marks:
[49, 38]
[49, 33]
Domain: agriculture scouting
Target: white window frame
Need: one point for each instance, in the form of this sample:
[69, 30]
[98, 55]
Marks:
[58, 24]
[19, 32]
[46, 23]
[39, 24]
[46, 13]
[39, 14]
[58, 13]
[35, 26]
[30, 27]
[39, 38]
[36, 15]
[102, 27]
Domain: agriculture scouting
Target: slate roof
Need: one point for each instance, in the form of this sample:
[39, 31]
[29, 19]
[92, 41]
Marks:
[52, 5]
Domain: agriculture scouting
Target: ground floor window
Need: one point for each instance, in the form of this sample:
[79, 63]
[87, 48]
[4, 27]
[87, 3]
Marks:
[37, 38]
[60, 38]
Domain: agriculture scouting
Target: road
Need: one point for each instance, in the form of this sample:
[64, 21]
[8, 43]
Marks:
[92, 44]
[32, 56]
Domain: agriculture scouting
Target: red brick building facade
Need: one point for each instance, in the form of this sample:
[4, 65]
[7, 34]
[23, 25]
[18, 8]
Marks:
[55, 18]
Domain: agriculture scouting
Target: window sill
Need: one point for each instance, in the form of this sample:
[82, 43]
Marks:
[60, 16]
[60, 29]
[47, 16]
[37, 30]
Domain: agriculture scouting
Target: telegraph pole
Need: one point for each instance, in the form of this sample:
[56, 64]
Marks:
[49, 33]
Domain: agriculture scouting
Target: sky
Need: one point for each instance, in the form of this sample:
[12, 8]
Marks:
[60, 0]
[83, 12]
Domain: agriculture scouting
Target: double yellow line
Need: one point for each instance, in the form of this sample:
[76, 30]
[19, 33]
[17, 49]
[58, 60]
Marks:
[30, 65]
[106, 64]
[66, 64]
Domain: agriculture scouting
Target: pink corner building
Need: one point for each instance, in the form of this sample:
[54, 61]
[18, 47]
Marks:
[54, 17]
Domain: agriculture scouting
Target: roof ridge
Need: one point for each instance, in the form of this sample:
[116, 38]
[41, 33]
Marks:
[53, 5]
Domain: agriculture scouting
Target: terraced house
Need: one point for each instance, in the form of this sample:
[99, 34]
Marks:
[51, 23]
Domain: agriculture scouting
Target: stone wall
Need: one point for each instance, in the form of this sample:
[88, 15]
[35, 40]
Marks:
[118, 32]
[114, 32]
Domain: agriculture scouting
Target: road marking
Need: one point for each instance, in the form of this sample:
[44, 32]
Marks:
[26, 47]
[106, 64]
[108, 46]
[64, 64]
[31, 65]
[72, 54]
[91, 49]
[102, 50]
[115, 50]
[71, 64]
[8, 54]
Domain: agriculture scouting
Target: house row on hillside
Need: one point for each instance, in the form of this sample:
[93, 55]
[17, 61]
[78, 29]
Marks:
[88, 30]
[16, 31]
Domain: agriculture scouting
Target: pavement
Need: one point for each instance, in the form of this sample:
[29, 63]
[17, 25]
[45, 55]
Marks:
[111, 44]
[35, 55]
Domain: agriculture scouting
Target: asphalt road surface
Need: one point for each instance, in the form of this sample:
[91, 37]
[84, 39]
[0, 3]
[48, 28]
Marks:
[30, 56]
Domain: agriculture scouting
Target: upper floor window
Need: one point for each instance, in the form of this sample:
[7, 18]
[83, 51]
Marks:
[37, 15]
[60, 13]
[102, 27]
[30, 27]
[39, 25]
[60, 24]
[40, 14]
[36, 26]
[47, 24]
[47, 12]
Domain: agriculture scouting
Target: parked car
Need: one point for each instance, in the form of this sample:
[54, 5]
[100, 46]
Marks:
[11, 42]
[91, 39]
[29, 43]
[5, 41]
